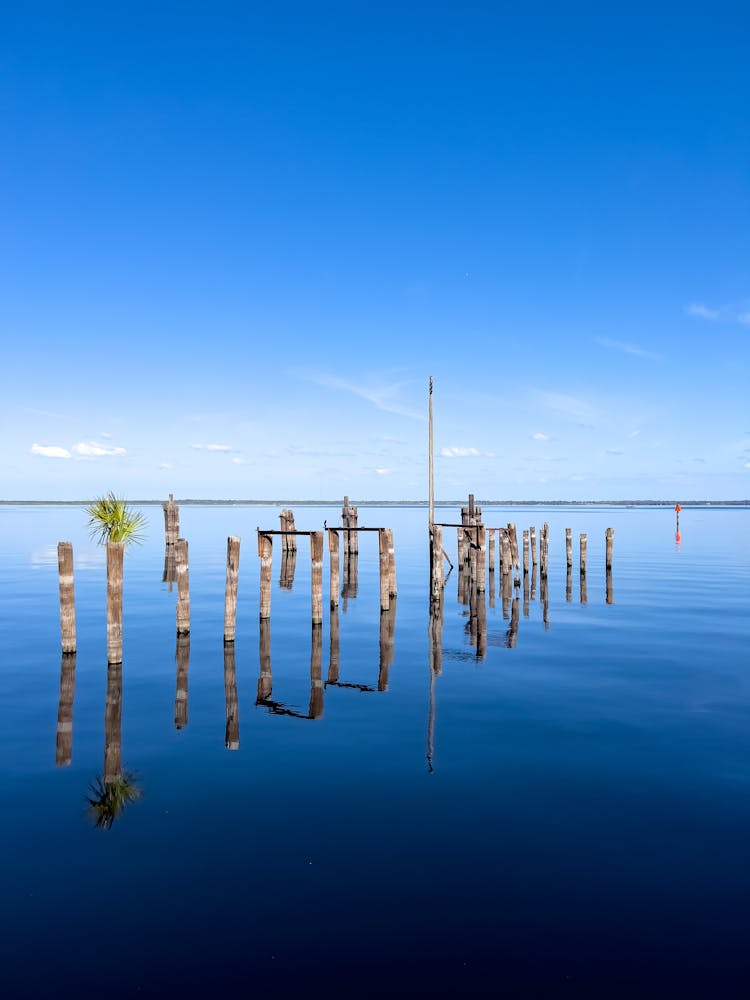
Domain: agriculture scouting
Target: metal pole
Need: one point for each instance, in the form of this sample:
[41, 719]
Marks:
[432, 478]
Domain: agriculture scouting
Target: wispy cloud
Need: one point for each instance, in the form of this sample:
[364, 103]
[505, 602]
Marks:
[539, 436]
[383, 472]
[456, 451]
[92, 449]
[702, 311]
[382, 397]
[626, 348]
[50, 451]
[613, 451]
[567, 406]
[166, 465]
[212, 447]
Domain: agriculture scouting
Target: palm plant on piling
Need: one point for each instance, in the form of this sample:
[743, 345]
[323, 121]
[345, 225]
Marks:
[114, 524]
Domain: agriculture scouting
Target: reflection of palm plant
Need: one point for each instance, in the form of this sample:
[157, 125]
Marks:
[107, 799]
[113, 523]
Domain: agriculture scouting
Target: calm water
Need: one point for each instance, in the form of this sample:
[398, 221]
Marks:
[569, 814]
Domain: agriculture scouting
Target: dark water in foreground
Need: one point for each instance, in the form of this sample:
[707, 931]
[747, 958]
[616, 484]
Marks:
[569, 815]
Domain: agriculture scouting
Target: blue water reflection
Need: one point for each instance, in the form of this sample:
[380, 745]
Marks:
[504, 797]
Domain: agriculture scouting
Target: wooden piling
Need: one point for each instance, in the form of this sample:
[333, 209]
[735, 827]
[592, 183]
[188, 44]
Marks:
[67, 596]
[115, 552]
[514, 545]
[568, 547]
[288, 567]
[392, 588]
[506, 558]
[481, 570]
[230, 595]
[171, 521]
[183, 587]
[334, 567]
[525, 553]
[583, 553]
[316, 556]
[544, 551]
[385, 602]
[436, 562]
[609, 540]
[491, 551]
[64, 736]
[288, 541]
[265, 551]
[182, 659]
[232, 710]
[532, 542]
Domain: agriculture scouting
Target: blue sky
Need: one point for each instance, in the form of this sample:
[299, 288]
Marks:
[237, 238]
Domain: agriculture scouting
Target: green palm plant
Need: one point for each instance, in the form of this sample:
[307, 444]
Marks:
[115, 525]
[108, 798]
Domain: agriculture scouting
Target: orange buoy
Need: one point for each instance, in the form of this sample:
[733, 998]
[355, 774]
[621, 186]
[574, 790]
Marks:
[678, 508]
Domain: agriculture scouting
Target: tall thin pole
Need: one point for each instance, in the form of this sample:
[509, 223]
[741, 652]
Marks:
[432, 474]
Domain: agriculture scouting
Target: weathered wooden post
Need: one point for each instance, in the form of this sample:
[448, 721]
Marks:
[544, 551]
[67, 596]
[491, 553]
[171, 521]
[436, 562]
[392, 588]
[481, 558]
[354, 540]
[505, 552]
[115, 552]
[288, 566]
[525, 552]
[64, 737]
[385, 602]
[265, 681]
[182, 659]
[609, 540]
[315, 708]
[532, 540]
[288, 540]
[334, 563]
[265, 551]
[230, 595]
[583, 553]
[316, 556]
[183, 587]
[568, 547]
[514, 545]
[232, 728]
[334, 657]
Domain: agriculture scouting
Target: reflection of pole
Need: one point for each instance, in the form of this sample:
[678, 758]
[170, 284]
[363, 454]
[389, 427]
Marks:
[436, 666]
[432, 469]
[315, 709]
[64, 742]
[113, 724]
[610, 591]
[265, 681]
[232, 731]
[677, 537]
[182, 657]
[333, 662]
[387, 630]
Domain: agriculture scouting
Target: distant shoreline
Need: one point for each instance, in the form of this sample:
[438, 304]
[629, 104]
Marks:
[188, 502]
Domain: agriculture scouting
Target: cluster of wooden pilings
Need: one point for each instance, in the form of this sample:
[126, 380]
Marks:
[518, 568]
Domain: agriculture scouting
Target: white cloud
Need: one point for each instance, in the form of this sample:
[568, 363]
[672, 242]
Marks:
[456, 452]
[625, 348]
[702, 311]
[540, 437]
[92, 449]
[166, 465]
[381, 396]
[50, 451]
[383, 472]
[212, 447]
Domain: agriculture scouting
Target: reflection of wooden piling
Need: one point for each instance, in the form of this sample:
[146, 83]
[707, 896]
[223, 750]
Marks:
[288, 541]
[230, 597]
[113, 723]
[265, 681]
[569, 583]
[171, 521]
[64, 740]
[169, 576]
[183, 587]
[491, 552]
[506, 592]
[316, 556]
[334, 567]
[385, 601]
[350, 584]
[568, 547]
[334, 655]
[481, 558]
[609, 540]
[610, 591]
[583, 543]
[533, 581]
[544, 588]
[315, 708]
[525, 594]
[182, 658]
[265, 551]
[436, 636]
[481, 618]
[387, 631]
[67, 596]
[115, 551]
[511, 636]
[232, 729]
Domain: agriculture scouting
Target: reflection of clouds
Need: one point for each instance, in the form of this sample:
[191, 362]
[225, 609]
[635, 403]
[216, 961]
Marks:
[89, 559]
